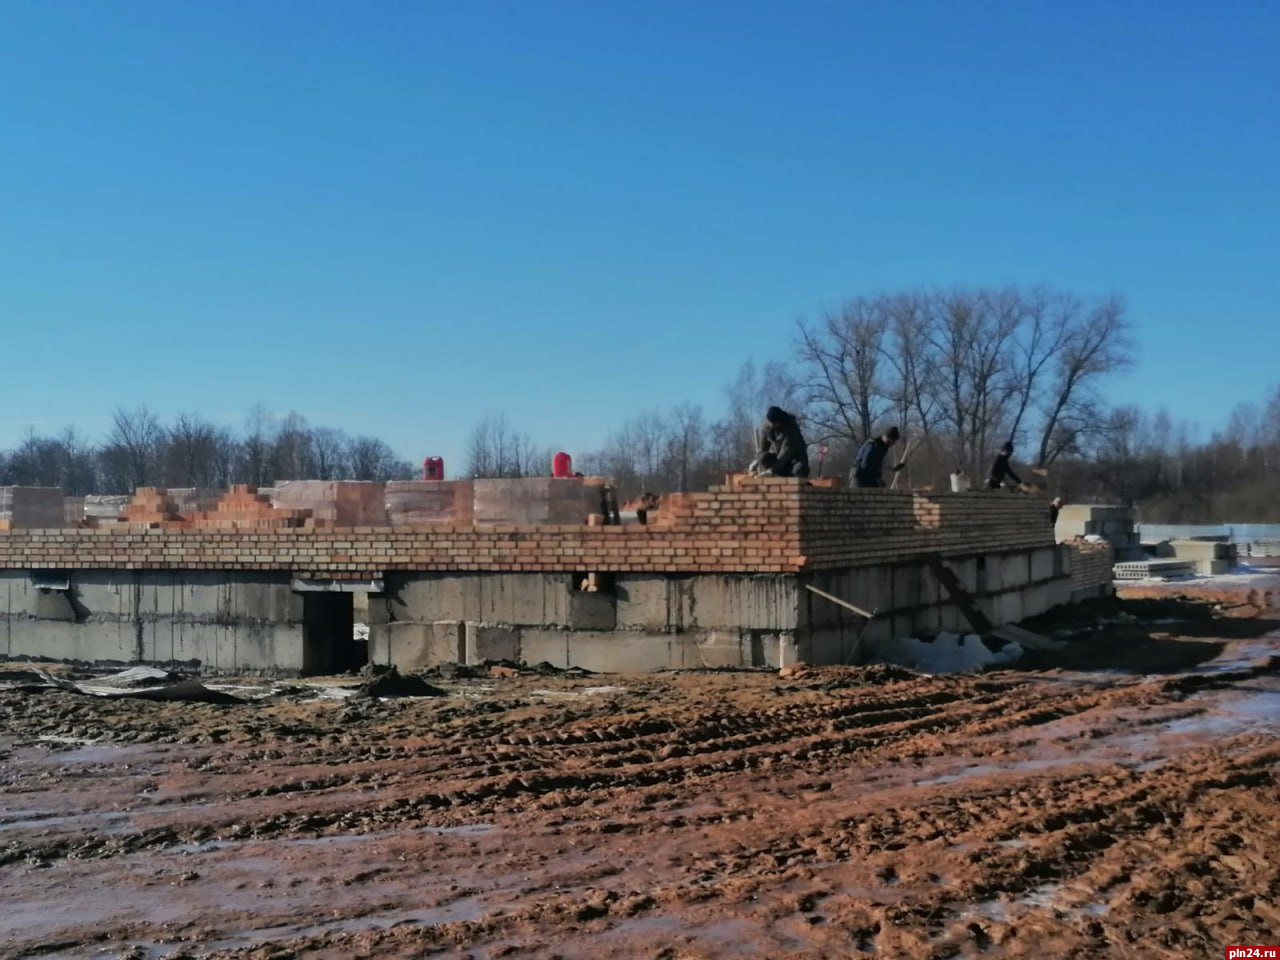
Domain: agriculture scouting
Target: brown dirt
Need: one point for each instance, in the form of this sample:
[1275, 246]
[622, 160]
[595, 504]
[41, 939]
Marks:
[1068, 811]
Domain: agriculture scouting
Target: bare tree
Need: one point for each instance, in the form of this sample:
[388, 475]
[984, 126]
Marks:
[371, 459]
[1096, 342]
[255, 448]
[496, 449]
[685, 443]
[329, 453]
[191, 458]
[843, 360]
[291, 455]
[133, 453]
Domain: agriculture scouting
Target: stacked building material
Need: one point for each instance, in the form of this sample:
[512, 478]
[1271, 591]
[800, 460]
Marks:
[72, 511]
[333, 503]
[193, 500]
[537, 500]
[1114, 524]
[244, 508]
[151, 506]
[1207, 557]
[31, 508]
[415, 503]
[104, 508]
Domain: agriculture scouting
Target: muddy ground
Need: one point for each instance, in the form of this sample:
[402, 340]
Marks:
[1118, 799]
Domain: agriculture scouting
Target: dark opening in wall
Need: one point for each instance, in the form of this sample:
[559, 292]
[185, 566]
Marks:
[587, 582]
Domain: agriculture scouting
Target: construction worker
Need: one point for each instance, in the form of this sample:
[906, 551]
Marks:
[782, 449]
[868, 465]
[1001, 469]
[1054, 506]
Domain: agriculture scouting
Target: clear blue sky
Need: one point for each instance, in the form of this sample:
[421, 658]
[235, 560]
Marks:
[395, 216]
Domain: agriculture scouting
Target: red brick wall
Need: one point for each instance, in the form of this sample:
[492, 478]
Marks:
[760, 526]
[1091, 564]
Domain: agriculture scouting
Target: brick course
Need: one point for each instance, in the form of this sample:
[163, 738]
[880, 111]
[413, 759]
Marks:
[1091, 564]
[758, 525]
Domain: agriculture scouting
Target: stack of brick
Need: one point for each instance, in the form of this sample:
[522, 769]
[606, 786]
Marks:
[420, 503]
[333, 503]
[537, 500]
[193, 500]
[244, 508]
[151, 506]
[1091, 569]
[31, 508]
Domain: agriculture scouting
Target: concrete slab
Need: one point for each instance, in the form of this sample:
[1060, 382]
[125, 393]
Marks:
[491, 641]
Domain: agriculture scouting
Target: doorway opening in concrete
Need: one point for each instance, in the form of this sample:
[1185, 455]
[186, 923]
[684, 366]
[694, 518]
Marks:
[594, 582]
[328, 627]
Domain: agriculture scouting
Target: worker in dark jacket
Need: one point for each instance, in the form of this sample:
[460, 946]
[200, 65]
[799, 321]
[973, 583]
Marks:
[783, 451]
[1001, 469]
[1055, 505]
[868, 465]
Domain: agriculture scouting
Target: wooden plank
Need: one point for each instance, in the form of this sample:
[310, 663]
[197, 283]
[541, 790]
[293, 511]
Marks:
[959, 595]
[1025, 638]
[836, 600]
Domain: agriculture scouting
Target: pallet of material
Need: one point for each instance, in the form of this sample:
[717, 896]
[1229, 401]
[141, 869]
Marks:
[1146, 569]
[536, 500]
[337, 503]
[416, 503]
[31, 508]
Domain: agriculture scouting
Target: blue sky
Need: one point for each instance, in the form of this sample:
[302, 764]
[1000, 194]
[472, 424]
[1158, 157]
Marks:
[394, 217]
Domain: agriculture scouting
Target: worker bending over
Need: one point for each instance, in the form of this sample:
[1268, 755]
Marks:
[1001, 469]
[782, 449]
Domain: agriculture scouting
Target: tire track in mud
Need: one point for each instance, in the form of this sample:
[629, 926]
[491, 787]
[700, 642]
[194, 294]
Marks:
[637, 755]
[814, 799]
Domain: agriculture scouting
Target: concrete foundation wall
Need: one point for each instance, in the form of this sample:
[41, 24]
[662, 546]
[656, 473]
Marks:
[634, 622]
[640, 622]
[213, 622]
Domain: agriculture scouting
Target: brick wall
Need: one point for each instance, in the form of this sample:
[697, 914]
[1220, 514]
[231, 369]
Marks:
[764, 525]
[1090, 564]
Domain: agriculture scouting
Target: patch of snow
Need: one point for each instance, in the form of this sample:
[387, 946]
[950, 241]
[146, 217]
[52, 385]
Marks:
[946, 653]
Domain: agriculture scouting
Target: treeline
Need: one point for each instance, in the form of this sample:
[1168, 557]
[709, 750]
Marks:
[960, 372]
[141, 451]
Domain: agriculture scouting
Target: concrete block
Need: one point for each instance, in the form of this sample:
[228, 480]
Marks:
[539, 645]
[1036, 599]
[1044, 563]
[534, 599]
[789, 648]
[751, 602]
[1007, 607]
[620, 651]
[592, 611]
[722, 648]
[54, 605]
[643, 601]
[414, 646]
[489, 641]
[908, 588]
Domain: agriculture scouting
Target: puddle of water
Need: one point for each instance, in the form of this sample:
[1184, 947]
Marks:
[1048, 897]
[334, 840]
[577, 694]
[980, 769]
[90, 821]
[468, 908]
